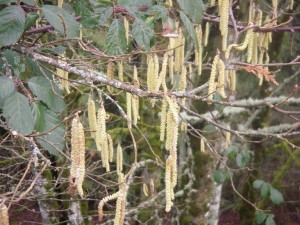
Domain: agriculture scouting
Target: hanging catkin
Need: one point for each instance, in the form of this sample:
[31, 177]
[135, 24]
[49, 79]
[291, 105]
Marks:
[120, 71]
[221, 78]
[224, 18]
[110, 74]
[163, 119]
[126, 26]
[129, 108]
[77, 170]
[212, 77]
[92, 117]
[4, 217]
[119, 159]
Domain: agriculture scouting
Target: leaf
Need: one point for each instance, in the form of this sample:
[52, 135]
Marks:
[17, 112]
[7, 88]
[57, 16]
[219, 176]
[260, 217]
[265, 189]
[257, 184]
[115, 39]
[48, 120]
[190, 28]
[135, 3]
[232, 151]
[194, 9]
[105, 15]
[270, 220]
[30, 20]
[47, 92]
[12, 23]
[141, 33]
[29, 2]
[276, 196]
[159, 12]
[7, 1]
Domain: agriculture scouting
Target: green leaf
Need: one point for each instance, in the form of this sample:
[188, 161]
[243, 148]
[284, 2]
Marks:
[57, 16]
[142, 33]
[29, 2]
[47, 92]
[257, 184]
[115, 39]
[135, 3]
[260, 217]
[30, 20]
[7, 1]
[159, 12]
[7, 88]
[276, 196]
[194, 9]
[219, 176]
[232, 151]
[17, 112]
[265, 189]
[190, 28]
[105, 15]
[46, 120]
[12, 23]
[270, 220]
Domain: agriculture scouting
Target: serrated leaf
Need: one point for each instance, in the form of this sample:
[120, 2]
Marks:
[30, 20]
[12, 23]
[219, 176]
[55, 138]
[105, 15]
[190, 28]
[17, 112]
[115, 39]
[57, 16]
[47, 92]
[276, 196]
[159, 12]
[257, 184]
[38, 117]
[260, 217]
[7, 88]
[265, 189]
[194, 9]
[270, 220]
[142, 33]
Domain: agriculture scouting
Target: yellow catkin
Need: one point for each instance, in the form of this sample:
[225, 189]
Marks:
[227, 139]
[105, 200]
[135, 108]
[198, 52]
[202, 145]
[119, 159]
[145, 189]
[206, 34]
[60, 3]
[80, 32]
[232, 80]
[168, 185]
[77, 171]
[212, 3]
[224, 18]
[162, 75]
[64, 76]
[120, 71]
[171, 69]
[182, 82]
[251, 13]
[126, 26]
[101, 138]
[169, 3]
[110, 148]
[156, 69]
[110, 74]
[250, 47]
[212, 77]
[4, 217]
[275, 7]
[179, 52]
[221, 78]
[92, 117]
[291, 4]
[169, 130]
[129, 108]
[163, 119]
[151, 79]
[120, 205]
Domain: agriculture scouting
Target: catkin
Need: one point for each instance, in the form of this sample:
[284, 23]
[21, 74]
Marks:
[126, 26]
[171, 69]
[92, 117]
[4, 217]
[163, 119]
[110, 74]
[128, 107]
[291, 4]
[213, 73]
[77, 170]
[206, 34]
[168, 185]
[179, 52]
[221, 78]
[135, 108]
[224, 18]
[119, 159]
[227, 139]
[212, 3]
[162, 75]
[169, 3]
[60, 3]
[198, 52]
[151, 75]
[232, 80]
[202, 145]
[105, 200]
[64, 75]
[145, 189]
[120, 71]
[110, 148]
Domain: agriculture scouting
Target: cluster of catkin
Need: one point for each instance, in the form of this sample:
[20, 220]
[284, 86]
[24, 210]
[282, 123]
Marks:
[64, 75]
[169, 131]
[120, 196]
[77, 171]
[218, 68]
